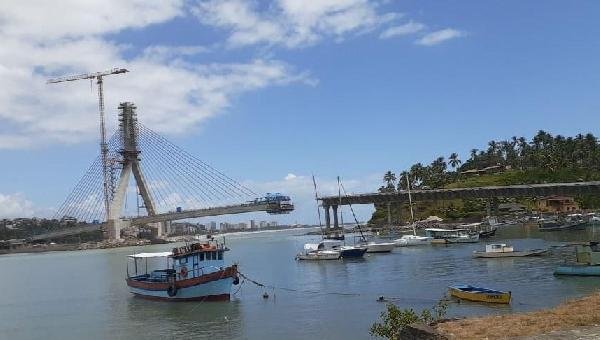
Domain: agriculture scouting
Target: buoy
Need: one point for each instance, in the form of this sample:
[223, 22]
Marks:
[265, 295]
[381, 299]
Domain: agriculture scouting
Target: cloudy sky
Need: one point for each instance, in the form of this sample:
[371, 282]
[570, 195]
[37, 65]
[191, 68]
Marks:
[271, 92]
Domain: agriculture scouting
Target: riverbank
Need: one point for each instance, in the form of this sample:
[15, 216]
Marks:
[572, 316]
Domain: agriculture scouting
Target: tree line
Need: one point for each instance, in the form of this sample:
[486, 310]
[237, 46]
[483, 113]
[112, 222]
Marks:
[544, 157]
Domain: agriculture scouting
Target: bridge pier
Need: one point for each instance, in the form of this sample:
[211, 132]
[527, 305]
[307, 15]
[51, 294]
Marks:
[327, 218]
[114, 227]
[389, 214]
[335, 216]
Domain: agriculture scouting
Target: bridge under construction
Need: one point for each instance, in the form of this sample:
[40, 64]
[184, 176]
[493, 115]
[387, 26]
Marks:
[170, 184]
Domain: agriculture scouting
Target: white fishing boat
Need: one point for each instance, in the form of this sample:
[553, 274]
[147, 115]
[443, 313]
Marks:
[313, 253]
[502, 250]
[413, 240]
[379, 247]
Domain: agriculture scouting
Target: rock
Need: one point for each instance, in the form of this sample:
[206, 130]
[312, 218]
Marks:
[419, 331]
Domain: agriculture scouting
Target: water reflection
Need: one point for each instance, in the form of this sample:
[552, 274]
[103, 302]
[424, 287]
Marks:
[216, 320]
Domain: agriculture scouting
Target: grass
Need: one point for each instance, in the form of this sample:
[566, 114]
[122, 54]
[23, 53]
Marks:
[569, 315]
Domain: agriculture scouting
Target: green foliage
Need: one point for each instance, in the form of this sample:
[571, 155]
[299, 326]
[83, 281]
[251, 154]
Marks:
[543, 159]
[394, 319]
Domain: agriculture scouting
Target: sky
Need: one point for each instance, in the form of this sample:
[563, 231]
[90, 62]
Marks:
[272, 92]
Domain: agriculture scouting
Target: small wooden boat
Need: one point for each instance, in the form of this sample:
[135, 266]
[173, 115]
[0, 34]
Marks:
[413, 240]
[578, 270]
[573, 221]
[380, 247]
[479, 294]
[502, 250]
[487, 233]
[319, 255]
[588, 261]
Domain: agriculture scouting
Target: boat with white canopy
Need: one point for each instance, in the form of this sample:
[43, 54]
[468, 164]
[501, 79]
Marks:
[195, 272]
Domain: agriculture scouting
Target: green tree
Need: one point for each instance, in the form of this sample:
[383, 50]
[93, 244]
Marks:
[453, 160]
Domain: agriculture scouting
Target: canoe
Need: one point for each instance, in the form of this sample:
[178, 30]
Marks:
[479, 294]
[578, 270]
[532, 252]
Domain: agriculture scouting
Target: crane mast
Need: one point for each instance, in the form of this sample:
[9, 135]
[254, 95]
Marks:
[103, 145]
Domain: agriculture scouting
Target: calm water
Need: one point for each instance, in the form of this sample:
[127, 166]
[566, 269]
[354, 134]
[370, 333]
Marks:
[74, 295]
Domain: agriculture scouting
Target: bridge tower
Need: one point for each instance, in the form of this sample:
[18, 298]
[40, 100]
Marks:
[130, 162]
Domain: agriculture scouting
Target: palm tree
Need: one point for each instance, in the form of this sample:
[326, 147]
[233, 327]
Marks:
[390, 179]
[453, 160]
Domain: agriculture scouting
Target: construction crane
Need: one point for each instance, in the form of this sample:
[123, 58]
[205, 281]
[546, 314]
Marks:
[103, 145]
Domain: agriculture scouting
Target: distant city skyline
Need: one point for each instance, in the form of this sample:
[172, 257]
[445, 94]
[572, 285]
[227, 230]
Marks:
[272, 93]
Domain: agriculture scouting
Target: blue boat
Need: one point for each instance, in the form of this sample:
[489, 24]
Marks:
[578, 270]
[588, 261]
[195, 272]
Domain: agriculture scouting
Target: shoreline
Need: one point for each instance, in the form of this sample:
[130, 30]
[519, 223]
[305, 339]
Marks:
[573, 315]
[44, 248]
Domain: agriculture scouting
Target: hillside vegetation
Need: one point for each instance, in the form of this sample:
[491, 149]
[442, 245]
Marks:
[543, 159]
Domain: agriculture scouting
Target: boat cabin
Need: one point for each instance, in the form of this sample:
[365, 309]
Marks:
[588, 254]
[182, 263]
[498, 248]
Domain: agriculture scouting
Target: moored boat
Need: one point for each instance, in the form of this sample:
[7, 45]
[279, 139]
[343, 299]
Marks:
[502, 250]
[444, 236]
[412, 240]
[587, 261]
[320, 251]
[573, 221]
[379, 247]
[195, 272]
[479, 294]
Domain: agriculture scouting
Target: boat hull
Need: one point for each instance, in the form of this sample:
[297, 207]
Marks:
[210, 287]
[380, 247]
[486, 295]
[534, 252]
[354, 252]
[559, 227]
[319, 256]
[580, 270]
[413, 241]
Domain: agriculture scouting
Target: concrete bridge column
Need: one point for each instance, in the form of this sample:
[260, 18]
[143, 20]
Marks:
[335, 216]
[327, 218]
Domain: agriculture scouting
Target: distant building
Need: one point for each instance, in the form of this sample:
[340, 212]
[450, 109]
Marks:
[273, 224]
[263, 224]
[557, 204]
[252, 224]
[213, 225]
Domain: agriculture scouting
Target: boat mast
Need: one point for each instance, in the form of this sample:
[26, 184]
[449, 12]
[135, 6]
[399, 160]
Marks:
[318, 210]
[412, 216]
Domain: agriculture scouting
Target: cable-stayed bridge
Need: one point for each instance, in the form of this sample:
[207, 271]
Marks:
[170, 184]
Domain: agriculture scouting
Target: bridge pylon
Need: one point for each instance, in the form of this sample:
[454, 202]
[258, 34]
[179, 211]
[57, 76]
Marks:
[130, 162]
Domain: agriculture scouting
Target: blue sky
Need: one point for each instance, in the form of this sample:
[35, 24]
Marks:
[333, 101]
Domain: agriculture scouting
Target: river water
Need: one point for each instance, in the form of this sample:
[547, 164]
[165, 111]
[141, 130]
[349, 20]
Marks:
[82, 295]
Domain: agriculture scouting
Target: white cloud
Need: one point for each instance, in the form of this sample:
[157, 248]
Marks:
[437, 37]
[41, 20]
[173, 95]
[405, 29]
[291, 23]
[15, 205]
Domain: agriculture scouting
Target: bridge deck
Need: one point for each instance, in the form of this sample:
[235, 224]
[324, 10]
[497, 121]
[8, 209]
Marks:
[526, 190]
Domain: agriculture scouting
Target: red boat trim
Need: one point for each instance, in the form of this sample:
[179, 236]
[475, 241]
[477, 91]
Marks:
[154, 286]
[221, 297]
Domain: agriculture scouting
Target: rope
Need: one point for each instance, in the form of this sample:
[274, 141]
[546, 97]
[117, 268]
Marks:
[381, 298]
[262, 285]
